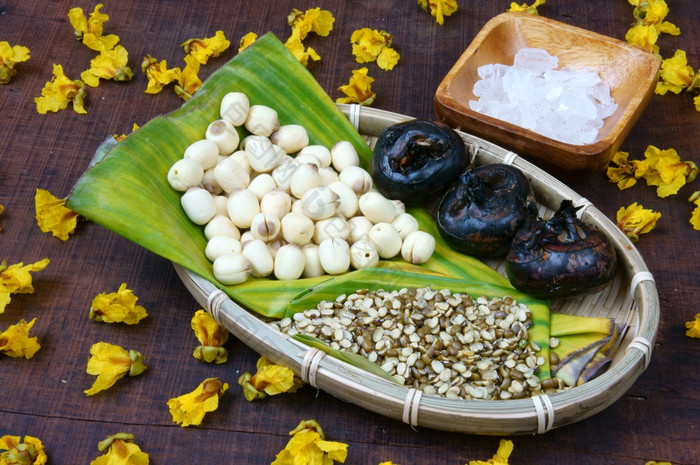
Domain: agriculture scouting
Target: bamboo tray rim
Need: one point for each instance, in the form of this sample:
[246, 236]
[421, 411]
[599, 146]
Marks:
[640, 307]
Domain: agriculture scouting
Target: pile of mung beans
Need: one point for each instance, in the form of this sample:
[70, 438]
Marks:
[444, 344]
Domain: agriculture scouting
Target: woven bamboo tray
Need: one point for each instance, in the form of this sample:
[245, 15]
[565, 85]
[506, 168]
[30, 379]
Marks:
[630, 299]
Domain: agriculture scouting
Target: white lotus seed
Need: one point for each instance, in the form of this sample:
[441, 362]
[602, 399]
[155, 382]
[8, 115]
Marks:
[221, 225]
[262, 155]
[363, 254]
[260, 259]
[224, 134]
[297, 228]
[308, 158]
[185, 173]
[221, 202]
[242, 205]
[377, 208]
[274, 245]
[320, 152]
[312, 264]
[319, 203]
[343, 154]
[359, 228]
[262, 120]
[348, 201]
[234, 108]
[265, 226]
[209, 182]
[219, 245]
[290, 137]
[418, 247]
[229, 175]
[241, 156]
[262, 184]
[333, 227]
[304, 178]
[334, 255]
[328, 175]
[276, 202]
[205, 151]
[282, 174]
[231, 269]
[359, 180]
[247, 236]
[289, 262]
[405, 224]
[385, 239]
[198, 205]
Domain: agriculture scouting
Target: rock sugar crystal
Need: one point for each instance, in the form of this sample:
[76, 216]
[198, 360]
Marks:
[563, 104]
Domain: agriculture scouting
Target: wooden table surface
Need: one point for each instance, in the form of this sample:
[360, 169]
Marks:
[657, 419]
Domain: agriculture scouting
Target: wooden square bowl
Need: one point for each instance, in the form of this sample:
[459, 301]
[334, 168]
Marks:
[630, 72]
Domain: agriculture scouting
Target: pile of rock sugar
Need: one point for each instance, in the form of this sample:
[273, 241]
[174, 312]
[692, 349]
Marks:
[563, 104]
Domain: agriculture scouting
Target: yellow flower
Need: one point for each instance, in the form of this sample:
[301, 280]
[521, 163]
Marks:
[203, 49]
[269, 380]
[439, 8]
[120, 138]
[89, 30]
[188, 80]
[60, 91]
[359, 89]
[309, 447]
[189, 409]
[370, 44]
[158, 74]
[653, 13]
[695, 216]
[2, 209]
[313, 20]
[246, 41]
[635, 220]
[654, 462]
[110, 363]
[696, 102]
[301, 53]
[52, 215]
[675, 74]
[626, 172]
[17, 279]
[211, 336]
[644, 36]
[120, 450]
[693, 327]
[9, 55]
[29, 452]
[525, 8]
[505, 448]
[109, 64]
[667, 171]
[15, 341]
[117, 307]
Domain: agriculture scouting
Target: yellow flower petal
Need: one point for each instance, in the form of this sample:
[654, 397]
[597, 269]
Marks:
[301, 53]
[117, 307]
[667, 171]
[59, 92]
[368, 43]
[388, 58]
[313, 20]
[9, 56]
[30, 451]
[158, 74]
[120, 450]
[211, 336]
[675, 72]
[203, 49]
[109, 64]
[643, 36]
[110, 363]
[17, 279]
[359, 89]
[188, 81]
[246, 41]
[52, 215]
[695, 216]
[189, 409]
[308, 446]
[635, 220]
[15, 341]
[439, 8]
[525, 8]
[505, 448]
[693, 327]
[2, 209]
[269, 380]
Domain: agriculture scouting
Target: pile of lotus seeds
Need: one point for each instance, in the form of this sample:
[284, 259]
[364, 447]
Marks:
[271, 204]
[444, 344]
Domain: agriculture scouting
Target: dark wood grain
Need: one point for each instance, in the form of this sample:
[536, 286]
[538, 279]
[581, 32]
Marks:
[657, 419]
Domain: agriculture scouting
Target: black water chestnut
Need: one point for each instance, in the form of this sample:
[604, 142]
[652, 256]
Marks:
[482, 210]
[561, 256]
[417, 160]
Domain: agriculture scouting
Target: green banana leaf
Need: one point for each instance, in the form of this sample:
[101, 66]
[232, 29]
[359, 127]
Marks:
[126, 189]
